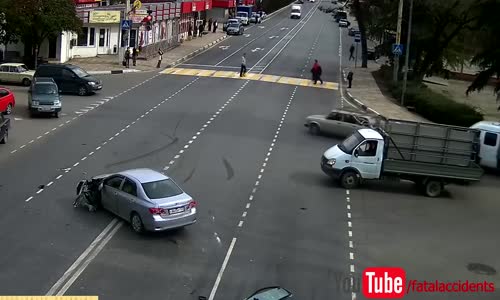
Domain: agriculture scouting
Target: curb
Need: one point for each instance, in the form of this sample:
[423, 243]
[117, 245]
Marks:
[358, 102]
[196, 52]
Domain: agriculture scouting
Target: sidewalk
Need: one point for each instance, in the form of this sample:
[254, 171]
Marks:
[366, 93]
[112, 64]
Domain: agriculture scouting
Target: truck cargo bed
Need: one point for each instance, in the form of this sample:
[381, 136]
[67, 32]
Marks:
[414, 168]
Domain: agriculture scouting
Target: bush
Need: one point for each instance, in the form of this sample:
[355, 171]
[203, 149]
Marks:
[436, 107]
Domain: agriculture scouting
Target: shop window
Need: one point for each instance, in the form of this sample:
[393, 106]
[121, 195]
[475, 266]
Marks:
[83, 37]
[92, 37]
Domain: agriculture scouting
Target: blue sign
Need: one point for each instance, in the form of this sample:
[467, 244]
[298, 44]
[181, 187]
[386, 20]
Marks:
[126, 24]
[397, 49]
[357, 38]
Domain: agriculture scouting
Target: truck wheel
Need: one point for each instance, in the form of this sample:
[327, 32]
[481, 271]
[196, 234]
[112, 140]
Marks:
[349, 180]
[433, 188]
[314, 129]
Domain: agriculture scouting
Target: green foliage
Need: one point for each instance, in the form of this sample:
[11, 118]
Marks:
[8, 28]
[436, 107]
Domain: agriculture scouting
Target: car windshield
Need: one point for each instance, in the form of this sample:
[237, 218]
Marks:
[242, 14]
[45, 89]
[161, 189]
[80, 72]
[351, 142]
[295, 10]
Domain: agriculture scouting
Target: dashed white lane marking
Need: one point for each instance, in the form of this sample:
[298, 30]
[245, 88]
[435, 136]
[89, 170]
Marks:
[67, 170]
[351, 243]
[86, 109]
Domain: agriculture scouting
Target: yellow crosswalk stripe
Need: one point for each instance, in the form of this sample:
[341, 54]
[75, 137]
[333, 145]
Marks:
[250, 76]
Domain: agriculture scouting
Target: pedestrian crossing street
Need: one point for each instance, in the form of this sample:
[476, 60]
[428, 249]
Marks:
[250, 76]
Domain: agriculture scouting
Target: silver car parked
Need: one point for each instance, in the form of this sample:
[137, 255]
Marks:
[340, 123]
[149, 200]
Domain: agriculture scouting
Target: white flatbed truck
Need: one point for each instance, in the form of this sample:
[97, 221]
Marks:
[431, 155]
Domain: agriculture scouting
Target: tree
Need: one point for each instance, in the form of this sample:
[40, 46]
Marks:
[40, 19]
[8, 28]
[359, 12]
[488, 57]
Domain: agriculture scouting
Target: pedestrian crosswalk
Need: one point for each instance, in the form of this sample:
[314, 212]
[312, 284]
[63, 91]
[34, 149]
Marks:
[250, 76]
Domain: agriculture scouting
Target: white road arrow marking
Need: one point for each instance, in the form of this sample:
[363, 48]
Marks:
[18, 119]
[273, 36]
[257, 49]
[284, 28]
[262, 27]
[224, 47]
[247, 35]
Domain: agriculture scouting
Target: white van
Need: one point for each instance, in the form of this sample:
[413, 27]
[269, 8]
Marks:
[489, 150]
[296, 12]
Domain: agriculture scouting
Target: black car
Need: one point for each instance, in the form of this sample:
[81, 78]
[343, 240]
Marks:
[70, 78]
[4, 129]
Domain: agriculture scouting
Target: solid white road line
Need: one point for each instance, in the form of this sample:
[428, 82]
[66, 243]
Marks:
[222, 269]
[56, 287]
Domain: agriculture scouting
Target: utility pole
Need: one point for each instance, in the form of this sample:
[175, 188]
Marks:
[398, 40]
[126, 18]
[407, 56]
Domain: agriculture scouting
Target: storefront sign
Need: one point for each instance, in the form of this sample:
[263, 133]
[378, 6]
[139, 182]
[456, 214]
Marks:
[104, 16]
[139, 15]
[188, 7]
[194, 6]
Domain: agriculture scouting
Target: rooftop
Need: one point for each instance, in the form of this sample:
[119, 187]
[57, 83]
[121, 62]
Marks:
[144, 175]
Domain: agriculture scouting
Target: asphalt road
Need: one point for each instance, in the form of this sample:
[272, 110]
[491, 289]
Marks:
[267, 215]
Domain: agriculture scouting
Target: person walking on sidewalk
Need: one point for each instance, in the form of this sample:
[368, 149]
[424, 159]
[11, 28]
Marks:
[135, 53]
[351, 50]
[350, 76]
[316, 72]
[210, 24]
[243, 70]
[160, 57]
[215, 26]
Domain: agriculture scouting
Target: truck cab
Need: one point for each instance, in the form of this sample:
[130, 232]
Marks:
[243, 17]
[361, 153]
[489, 148]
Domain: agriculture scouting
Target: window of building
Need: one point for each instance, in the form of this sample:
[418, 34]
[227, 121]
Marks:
[92, 37]
[490, 139]
[87, 37]
[83, 37]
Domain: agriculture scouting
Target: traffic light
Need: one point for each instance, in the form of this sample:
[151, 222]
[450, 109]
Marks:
[148, 20]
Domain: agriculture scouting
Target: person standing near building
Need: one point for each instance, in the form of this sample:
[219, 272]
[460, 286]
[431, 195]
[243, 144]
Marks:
[160, 57]
[200, 29]
[127, 58]
[243, 70]
[210, 24]
[316, 72]
[216, 24]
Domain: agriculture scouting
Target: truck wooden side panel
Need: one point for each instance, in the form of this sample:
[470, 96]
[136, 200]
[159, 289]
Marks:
[421, 169]
[434, 144]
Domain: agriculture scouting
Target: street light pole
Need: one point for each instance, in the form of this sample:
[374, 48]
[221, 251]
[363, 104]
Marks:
[398, 40]
[407, 56]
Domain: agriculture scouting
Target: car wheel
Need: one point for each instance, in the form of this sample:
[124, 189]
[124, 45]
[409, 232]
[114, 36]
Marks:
[349, 180]
[5, 138]
[314, 129]
[82, 91]
[56, 114]
[136, 223]
[8, 111]
[26, 82]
